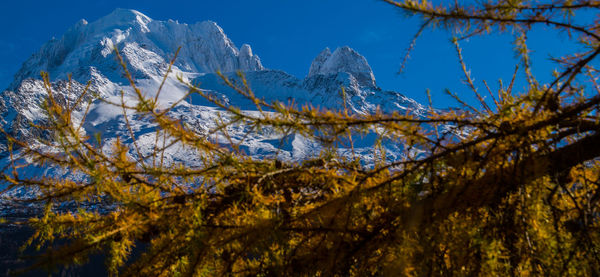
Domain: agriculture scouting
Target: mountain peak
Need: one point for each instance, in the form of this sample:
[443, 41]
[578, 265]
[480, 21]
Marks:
[127, 15]
[121, 18]
[121, 12]
[247, 60]
[343, 59]
[146, 44]
[318, 62]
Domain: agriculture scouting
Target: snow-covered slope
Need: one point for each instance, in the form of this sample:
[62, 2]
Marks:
[85, 53]
[146, 44]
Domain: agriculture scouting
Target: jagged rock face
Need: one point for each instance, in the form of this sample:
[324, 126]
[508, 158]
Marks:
[318, 62]
[343, 59]
[21, 108]
[86, 53]
[146, 44]
[247, 60]
[346, 68]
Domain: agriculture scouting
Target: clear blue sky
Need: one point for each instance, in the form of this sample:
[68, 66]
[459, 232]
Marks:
[287, 35]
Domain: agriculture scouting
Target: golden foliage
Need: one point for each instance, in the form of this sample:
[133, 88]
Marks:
[513, 188]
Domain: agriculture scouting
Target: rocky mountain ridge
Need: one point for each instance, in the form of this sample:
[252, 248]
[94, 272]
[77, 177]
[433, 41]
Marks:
[85, 54]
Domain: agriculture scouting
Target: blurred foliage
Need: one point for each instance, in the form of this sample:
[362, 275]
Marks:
[509, 186]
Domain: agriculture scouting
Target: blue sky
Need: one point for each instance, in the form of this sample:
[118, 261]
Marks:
[287, 35]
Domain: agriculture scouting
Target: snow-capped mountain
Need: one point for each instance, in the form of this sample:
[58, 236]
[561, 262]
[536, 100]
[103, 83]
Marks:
[85, 54]
[147, 45]
[343, 59]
